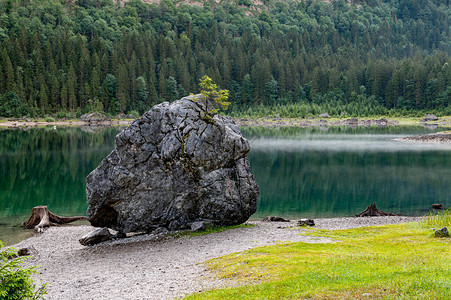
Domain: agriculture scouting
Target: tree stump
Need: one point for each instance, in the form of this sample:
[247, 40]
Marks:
[437, 206]
[372, 211]
[42, 218]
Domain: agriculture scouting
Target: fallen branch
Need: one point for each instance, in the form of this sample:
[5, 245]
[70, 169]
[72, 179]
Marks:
[372, 211]
[41, 218]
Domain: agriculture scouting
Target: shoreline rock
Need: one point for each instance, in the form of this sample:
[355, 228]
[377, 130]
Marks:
[438, 137]
[171, 168]
[312, 122]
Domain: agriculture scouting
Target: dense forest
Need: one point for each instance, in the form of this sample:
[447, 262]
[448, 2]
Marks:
[295, 58]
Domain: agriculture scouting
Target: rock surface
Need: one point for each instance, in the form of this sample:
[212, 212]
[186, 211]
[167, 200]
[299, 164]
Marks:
[171, 168]
[306, 222]
[274, 219]
[94, 117]
[430, 117]
[97, 236]
[442, 232]
[198, 226]
[437, 137]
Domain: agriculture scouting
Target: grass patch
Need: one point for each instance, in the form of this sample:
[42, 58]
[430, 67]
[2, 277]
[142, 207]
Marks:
[210, 229]
[382, 262]
[438, 219]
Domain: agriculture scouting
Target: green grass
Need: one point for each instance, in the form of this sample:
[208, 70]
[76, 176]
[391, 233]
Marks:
[438, 219]
[386, 262]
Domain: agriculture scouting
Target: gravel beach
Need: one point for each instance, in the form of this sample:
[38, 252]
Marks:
[156, 267]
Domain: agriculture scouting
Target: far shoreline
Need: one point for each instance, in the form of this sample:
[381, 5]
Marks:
[68, 123]
[379, 121]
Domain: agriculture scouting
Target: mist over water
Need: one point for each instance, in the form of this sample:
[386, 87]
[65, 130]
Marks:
[344, 143]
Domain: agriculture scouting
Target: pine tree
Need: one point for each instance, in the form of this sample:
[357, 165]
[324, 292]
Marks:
[43, 98]
[171, 89]
[71, 82]
[210, 95]
[95, 84]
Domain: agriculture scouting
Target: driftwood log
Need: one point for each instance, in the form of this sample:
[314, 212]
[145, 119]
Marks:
[372, 211]
[42, 218]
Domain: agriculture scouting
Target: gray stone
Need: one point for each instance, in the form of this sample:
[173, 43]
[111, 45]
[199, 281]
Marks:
[430, 117]
[197, 226]
[306, 222]
[442, 232]
[97, 236]
[324, 115]
[381, 122]
[170, 168]
[160, 230]
[351, 121]
[274, 219]
[94, 117]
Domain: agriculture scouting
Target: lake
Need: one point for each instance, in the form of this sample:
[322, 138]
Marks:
[302, 172]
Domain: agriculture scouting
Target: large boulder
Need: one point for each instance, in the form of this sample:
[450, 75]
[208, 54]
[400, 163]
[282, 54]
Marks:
[173, 167]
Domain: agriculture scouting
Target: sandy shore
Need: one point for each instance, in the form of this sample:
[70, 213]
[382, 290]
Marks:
[156, 267]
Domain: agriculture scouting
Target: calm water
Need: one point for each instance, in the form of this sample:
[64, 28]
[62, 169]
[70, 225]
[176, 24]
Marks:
[312, 173]
[309, 172]
[46, 167]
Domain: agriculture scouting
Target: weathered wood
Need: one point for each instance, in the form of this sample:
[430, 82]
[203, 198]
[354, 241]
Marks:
[437, 206]
[372, 211]
[42, 218]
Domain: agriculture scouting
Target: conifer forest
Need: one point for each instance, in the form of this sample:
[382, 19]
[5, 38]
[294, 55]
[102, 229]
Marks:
[294, 58]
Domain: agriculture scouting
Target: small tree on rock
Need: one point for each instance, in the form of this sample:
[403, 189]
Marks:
[210, 94]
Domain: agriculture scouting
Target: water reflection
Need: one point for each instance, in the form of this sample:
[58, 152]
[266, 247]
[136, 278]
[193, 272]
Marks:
[302, 172]
[312, 173]
[47, 167]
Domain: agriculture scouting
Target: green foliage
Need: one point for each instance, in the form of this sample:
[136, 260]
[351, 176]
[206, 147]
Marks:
[15, 281]
[63, 115]
[95, 106]
[210, 94]
[12, 106]
[49, 119]
[135, 114]
[247, 3]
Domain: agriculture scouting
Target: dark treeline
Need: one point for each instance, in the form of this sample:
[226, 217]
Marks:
[295, 58]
